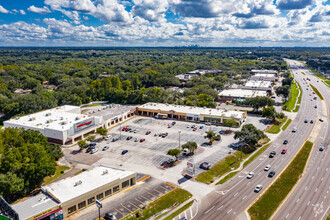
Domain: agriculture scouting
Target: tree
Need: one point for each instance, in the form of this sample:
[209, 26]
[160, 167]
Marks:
[102, 131]
[90, 138]
[230, 123]
[210, 135]
[259, 102]
[191, 146]
[283, 91]
[174, 153]
[287, 81]
[82, 144]
[269, 112]
[249, 134]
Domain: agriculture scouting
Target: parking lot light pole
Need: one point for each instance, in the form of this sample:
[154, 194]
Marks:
[120, 130]
[179, 140]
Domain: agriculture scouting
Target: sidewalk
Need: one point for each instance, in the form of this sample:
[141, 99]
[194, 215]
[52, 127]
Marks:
[177, 208]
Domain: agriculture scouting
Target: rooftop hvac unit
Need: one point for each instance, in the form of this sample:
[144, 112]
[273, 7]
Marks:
[77, 183]
[48, 114]
[105, 172]
[77, 118]
[49, 121]
[32, 119]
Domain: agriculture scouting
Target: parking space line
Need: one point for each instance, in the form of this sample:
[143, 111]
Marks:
[158, 191]
[164, 188]
[170, 184]
[138, 201]
[120, 212]
[152, 194]
[146, 198]
[126, 208]
[133, 205]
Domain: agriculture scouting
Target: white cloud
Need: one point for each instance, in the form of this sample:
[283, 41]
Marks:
[151, 10]
[44, 10]
[3, 10]
[22, 12]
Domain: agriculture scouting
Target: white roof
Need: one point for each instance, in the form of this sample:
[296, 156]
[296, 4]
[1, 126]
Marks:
[265, 75]
[58, 118]
[264, 71]
[75, 186]
[242, 93]
[258, 84]
[193, 110]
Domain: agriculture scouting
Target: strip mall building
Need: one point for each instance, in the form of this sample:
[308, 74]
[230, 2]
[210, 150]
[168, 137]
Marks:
[190, 113]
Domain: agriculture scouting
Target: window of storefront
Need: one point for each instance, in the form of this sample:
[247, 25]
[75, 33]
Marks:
[81, 205]
[72, 209]
[99, 196]
[108, 192]
[91, 200]
[115, 189]
[125, 184]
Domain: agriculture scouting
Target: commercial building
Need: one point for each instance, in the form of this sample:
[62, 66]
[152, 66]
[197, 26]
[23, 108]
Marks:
[190, 113]
[264, 77]
[258, 85]
[239, 94]
[61, 125]
[68, 196]
[253, 72]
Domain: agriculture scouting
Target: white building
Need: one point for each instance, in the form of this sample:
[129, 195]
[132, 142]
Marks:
[258, 85]
[264, 72]
[231, 94]
[61, 125]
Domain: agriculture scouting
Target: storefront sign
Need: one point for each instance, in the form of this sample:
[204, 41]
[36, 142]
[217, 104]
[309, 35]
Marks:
[190, 169]
[54, 215]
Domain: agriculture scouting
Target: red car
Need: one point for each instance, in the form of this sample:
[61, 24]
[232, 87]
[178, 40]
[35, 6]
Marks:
[142, 140]
[124, 128]
[284, 151]
[148, 132]
[195, 128]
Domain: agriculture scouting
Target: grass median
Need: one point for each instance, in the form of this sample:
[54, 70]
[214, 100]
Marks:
[294, 91]
[317, 92]
[176, 196]
[276, 128]
[254, 156]
[58, 172]
[286, 124]
[177, 212]
[276, 193]
[226, 178]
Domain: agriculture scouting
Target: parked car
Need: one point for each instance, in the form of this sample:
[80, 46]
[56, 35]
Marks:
[128, 129]
[94, 150]
[155, 134]
[321, 120]
[321, 148]
[188, 126]
[250, 175]
[105, 148]
[201, 127]
[271, 173]
[285, 141]
[305, 121]
[205, 166]
[136, 130]
[129, 138]
[89, 149]
[142, 140]
[283, 151]
[192, 126]
[108, 137]
[311, 121]
[92, 145]
[124, 152]
[315, 106]
[272, 154]
[207, 123]
[115, 139]
[258, 188]
[267, 167]
[195, 128]
[169, 126]
[222, 132]
[124, 128]
[110, 216]
[136, 139]
[173, 123]
[148, 132]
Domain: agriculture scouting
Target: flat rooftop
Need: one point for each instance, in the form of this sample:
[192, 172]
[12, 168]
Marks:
[258, 83]
[242, 93]
[75, 186]
[265, 75]
[108, 111]
[59, 118]
[193, 110]
[264, 71]
[34, 205]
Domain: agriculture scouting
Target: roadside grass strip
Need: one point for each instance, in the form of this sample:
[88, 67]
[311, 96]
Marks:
[276, 128]
[317, 92]
[303, 73]
[177, 212]
[319, 75]
[58, 172]
[254, 156]
[286, 124]
[226, 178]
[175, 197]
[296, 108]
[267, 204]
[294, 91]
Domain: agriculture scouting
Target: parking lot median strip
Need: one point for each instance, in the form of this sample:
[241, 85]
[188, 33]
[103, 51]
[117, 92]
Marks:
[267, 204]
[143, 178]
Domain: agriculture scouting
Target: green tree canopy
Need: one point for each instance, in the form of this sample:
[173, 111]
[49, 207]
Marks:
[249, 134]
[174, 153]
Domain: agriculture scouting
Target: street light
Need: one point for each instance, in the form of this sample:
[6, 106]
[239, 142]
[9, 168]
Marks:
[210, 120]
[179, 140]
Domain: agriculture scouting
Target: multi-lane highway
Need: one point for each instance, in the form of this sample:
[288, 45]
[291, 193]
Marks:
[311, 198]
[231, 199]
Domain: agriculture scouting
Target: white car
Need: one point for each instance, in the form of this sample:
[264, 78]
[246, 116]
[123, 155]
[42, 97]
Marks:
[267, 167]
[108, 137]
[188, 126]
[258, 188]
[294, 129]
[250, 175]
[94, 150]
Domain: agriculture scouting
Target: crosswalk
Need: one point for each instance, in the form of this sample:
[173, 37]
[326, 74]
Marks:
[189, 213]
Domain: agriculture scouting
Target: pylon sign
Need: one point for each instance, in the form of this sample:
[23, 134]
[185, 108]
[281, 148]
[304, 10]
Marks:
[190, 168]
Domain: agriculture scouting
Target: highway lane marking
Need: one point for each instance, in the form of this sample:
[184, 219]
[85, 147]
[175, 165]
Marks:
[236, 194]
[322, 179]
[244, 197]
[325, 213]
[209, 210]
[316, 190]
[220, 207]
[190, 212]
[229, 211]
[299, 218]
[305, 188]
[308, 202]
[287, 215]
[297, 200]
[312, 177]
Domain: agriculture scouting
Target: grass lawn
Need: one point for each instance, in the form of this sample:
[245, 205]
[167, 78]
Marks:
[276, 193]
[254, 156]
[276, 128]
[176, 213]
[296, 108]
[176, 196]
[59, 171]
[317, 92]
[228, 177]
[286, 124]
[294, 91]
[299, 98]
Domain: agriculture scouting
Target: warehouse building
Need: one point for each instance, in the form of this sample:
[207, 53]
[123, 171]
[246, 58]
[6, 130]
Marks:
[240, 94]
[190, 113]
[61, 125]
[264, 77]
[274, 72]
[259, 85]
[68, 196]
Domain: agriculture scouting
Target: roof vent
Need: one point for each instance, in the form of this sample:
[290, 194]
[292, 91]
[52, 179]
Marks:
[77, 183]
[105, 172]
[48, 114]
[49, 121]
[32, 119]
[77, 118]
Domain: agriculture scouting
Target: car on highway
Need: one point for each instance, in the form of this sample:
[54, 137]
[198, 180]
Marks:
[110, 216]
[315, 106]
[294, 129]
[285, 141]
[321, 148]
[105, 148]
[271, 173]
[205, 166]
[124, 152]
[108, 137]
[283, 151]
[129, 138]
[143, 140]
[321, 120]
[306, 121]
[250, 175]
[258, 188]
[148, 132]
[272, 154]
[311, 121]
[267, 167]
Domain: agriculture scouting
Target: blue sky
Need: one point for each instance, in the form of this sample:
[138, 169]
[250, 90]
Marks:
[223, 23]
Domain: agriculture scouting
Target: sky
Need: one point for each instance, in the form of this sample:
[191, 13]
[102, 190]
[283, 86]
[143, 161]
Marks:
[153, 23]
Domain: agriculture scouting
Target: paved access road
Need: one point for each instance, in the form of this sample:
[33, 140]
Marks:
[311, 199]
[229, 200]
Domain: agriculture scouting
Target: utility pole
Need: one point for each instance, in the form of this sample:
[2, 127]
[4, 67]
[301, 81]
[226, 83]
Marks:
[120, 130]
